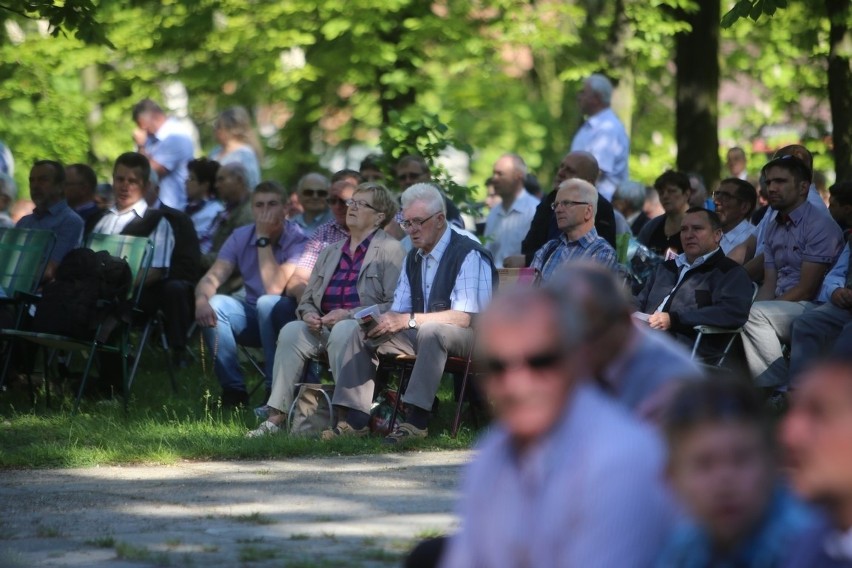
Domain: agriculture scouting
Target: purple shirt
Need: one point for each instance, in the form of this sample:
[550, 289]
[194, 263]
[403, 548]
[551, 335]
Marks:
[810, 235]
[241, 251]
[326, 234]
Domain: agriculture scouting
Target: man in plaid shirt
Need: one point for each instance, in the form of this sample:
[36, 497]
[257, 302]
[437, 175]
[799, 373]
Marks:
[575, 208]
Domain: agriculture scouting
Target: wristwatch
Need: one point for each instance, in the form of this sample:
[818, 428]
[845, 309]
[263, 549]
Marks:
[412, 323]
[262, 242]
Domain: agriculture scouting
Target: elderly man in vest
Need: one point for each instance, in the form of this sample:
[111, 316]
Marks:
[447, 279]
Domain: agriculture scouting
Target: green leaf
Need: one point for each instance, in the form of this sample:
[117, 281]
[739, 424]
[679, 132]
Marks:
[756, 10]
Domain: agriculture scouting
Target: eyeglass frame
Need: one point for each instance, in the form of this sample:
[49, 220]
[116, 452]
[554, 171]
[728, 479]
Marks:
[358, 203]
[566, 203]
[408, 224]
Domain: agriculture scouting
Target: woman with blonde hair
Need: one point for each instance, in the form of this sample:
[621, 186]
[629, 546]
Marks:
[238, 143]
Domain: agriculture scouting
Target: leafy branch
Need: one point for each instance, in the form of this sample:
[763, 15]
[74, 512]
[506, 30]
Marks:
[77, 16]
[751, 9]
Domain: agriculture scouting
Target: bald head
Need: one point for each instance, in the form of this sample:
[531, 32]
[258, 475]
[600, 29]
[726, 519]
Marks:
[577, 164]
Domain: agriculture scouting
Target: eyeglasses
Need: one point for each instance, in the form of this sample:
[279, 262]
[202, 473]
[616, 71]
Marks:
[314, 192]
[335, 201]
[410, 176]
[415, 223]
[723, 195]
[537, 362]
[566, 203]
[358, 204]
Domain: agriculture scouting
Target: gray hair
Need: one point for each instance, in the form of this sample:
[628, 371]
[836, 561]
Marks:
[425, 193]
[632, 192]
[312, 176]
[586, 191]
[600, 85]
[238, 171]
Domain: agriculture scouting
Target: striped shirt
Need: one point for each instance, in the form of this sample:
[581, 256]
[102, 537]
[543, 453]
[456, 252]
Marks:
[325, 235]
[557, 252]
[342, 290]
[114, 221]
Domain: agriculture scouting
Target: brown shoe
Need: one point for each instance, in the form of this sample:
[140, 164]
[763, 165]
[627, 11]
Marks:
[344, 430]
[404, 433]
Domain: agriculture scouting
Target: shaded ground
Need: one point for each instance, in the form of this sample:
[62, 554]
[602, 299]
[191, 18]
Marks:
[340, 511]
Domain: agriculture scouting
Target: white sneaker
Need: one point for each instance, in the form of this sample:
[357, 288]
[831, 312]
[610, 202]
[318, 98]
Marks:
[266, 429]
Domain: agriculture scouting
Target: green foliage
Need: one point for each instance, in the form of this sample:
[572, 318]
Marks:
[753, 9]
[76, 16]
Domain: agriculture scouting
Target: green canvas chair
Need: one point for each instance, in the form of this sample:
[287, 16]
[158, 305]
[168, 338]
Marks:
[138, 252]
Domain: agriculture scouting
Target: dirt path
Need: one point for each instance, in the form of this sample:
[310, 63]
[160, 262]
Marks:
[341, 511]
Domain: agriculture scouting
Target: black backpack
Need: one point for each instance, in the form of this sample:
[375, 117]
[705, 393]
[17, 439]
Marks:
[89, 287]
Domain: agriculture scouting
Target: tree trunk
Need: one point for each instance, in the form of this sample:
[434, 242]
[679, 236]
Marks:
[697, 95]
[840, 86]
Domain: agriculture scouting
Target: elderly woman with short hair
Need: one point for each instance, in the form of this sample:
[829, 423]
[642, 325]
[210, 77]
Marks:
[358, 272]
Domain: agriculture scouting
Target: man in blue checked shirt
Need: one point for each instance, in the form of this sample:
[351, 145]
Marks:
[575, 208]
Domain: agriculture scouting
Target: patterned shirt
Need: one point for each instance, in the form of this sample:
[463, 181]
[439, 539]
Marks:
[807, 234]
[342, 290]
[324, 236]
[163, 237]
[556, 252]
[472, 290]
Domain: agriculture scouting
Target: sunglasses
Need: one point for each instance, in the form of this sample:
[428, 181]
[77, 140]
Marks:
[538, 362]
[335, 201]
[314, 192]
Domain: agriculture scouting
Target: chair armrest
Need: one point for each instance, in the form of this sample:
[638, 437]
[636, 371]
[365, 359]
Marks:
[711, 330]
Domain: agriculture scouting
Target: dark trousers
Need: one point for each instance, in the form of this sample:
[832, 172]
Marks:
[175, 299]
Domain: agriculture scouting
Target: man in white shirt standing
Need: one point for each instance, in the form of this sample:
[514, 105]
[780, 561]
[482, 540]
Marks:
[602, 134]
[508, 222]
[163, 141]
[735, 201]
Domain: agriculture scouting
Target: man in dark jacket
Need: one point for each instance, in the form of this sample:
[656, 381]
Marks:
[701, 286]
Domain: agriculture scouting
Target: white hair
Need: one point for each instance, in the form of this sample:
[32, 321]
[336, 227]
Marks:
[632, 192]
[600, 85]
[586, 192]
[313, 176]
[425, 193]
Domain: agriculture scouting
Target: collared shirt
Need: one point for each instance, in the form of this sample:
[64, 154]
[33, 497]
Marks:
[472, 290]
[505, 230]
[737, 235]
[163, 237]
[836, 277]
[204, 214]
[810, 235]
[556, 252]
[319, 220]
[684, 267]
[327, 234]
[173, 149]
[814, 199]
[241, 251]
[838, 545]
[65, 224]
[597, 473]
[86, 210]
[342, 289]
[604, 137]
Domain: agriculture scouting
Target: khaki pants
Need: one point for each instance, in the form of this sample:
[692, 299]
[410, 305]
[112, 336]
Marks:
[431, 342]
[296, 346]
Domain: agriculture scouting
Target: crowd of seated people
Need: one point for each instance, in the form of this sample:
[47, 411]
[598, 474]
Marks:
[614, 379]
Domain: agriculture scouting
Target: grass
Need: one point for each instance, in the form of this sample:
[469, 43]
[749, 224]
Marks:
[165, 427]
[255, 519]
[256, 554]
[130, 552]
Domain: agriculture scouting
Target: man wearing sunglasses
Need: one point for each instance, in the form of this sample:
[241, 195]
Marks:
[312, 190]
[447, 279]
[563, 469]
[575, 207]
[343, 185]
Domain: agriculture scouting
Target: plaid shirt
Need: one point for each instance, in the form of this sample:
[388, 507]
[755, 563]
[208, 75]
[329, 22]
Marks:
[556, 252]
[342, 290]
[325, 235]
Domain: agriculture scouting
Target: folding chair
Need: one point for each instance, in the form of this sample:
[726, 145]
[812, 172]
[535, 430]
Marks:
[464, 366]
[709, 330]
[23, 257]
[138, 252]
